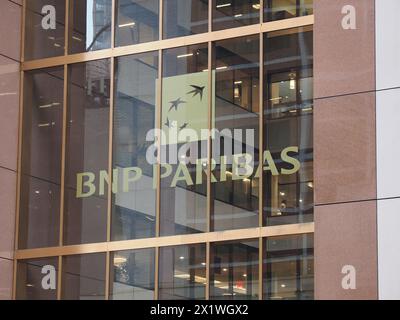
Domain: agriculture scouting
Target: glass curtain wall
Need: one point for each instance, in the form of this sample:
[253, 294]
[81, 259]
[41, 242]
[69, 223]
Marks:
[164, 167]
[134, 206]
[288, 107]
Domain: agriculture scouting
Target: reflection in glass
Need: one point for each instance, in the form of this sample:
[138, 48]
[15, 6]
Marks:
[289, 267]
[182, 272]
[133, 211]
[288, 105]
[286, 9]
[30, 275]
[185, 17]
[83, 277]
[235, 13]
[41, 158]
[90, 25]
[184, 110]
[133, 275]
[137, 21]
[235, 195]
[44, 39]
[85, 215]
[234, 270]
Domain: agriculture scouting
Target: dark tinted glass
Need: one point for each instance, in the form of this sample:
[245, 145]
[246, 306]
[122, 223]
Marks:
[286, 9]
[44, 29]
[235, 13]
[90, 25]
[134, 204]
[137, 21]
[289, 268]
[234, 270]
[235, 194]
[182, 272]
[184, 115]
[185, 17]
[133, 275]
[41, 158]
[288, 123]
[83, 277]
[37, 279]
[85, 214]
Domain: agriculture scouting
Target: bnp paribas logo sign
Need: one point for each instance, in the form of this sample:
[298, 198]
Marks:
[185, 111]
[178, 147]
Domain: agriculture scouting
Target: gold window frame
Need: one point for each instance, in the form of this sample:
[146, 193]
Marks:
[208, 237]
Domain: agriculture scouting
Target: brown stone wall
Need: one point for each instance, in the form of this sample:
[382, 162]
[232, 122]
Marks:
[345, 150]
[10, 35]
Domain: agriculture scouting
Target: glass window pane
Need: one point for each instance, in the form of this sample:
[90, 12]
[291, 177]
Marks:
[184, 115]
[288, 122]
[289, 268]
[234, 270]
[137, 22]
[286, 9]
[90, 25]
[85, 214]
[235, 13]
[44, 35]
[182, 272]
[37, 279]
[134, 205]
[41, 158]
[133, 275]
[235, 194]
[185, 17]
[83, 277]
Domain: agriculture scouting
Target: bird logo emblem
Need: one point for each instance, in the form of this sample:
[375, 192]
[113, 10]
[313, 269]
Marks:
[168, 123]
[197, 90]
[183, 126]
[175, 104]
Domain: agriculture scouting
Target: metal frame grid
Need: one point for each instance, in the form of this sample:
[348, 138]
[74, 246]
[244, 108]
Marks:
[208, 237]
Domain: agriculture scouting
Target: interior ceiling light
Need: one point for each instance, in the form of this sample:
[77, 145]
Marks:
[118, 260]
[185, 55]
[129, 24]
[292, 82]
[224, 5]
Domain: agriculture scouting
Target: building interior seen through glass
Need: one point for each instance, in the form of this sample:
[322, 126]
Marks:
[41, 171]
[90, 23]
[134, 210]
[288, 107]
[163, 170]
[236, 64]
[183, 205]
[87, 137]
